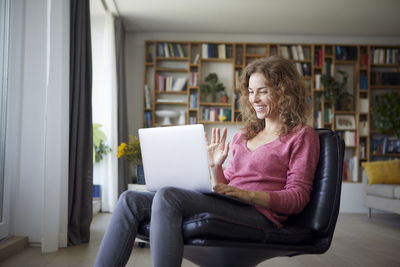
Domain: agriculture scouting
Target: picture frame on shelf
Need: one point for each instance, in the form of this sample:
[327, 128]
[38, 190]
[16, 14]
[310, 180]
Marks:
[345, 122]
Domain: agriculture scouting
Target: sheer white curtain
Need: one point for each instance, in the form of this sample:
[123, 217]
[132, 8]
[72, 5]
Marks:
[105, 106]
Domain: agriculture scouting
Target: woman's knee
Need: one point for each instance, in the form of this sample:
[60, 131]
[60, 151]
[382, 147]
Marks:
[133, 200]
[167, 197]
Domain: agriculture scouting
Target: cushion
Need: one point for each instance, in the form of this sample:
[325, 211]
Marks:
[383, 172]
[216, 227]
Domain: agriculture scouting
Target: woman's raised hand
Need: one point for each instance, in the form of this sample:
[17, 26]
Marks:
[217, 149]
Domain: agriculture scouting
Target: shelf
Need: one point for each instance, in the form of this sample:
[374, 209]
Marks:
[172, 58]
[172, 103]
[396, 155]
[345, 112]
[385, 86]
[229, 60]
[171, 70]
[216, 104]
[344, 62]
[385, 65]
[256, 55]
[171, 93]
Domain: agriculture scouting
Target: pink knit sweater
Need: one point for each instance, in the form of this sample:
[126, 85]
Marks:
[284, 168]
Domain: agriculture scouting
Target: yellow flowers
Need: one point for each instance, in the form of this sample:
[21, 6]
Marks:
[121, 149]
[131, 151]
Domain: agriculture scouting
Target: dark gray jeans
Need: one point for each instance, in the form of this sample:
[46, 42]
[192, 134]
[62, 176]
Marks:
[166, 207]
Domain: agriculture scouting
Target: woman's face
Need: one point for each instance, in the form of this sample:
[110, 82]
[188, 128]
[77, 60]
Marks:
[261, 97]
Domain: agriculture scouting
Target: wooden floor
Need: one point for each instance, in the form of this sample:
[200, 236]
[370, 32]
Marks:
[358, 241]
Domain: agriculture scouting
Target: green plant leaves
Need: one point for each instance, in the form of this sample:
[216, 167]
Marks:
[385, 112]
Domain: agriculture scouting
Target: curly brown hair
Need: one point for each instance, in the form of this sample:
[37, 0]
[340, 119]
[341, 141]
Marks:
[289, 90]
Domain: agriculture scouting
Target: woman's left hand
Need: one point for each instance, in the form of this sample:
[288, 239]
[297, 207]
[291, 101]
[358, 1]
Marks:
[232, 191]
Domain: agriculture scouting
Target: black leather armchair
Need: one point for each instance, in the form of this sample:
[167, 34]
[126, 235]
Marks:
[210, 240]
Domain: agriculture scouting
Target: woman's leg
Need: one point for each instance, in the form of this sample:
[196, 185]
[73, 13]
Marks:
[171, 204]
[116, 246]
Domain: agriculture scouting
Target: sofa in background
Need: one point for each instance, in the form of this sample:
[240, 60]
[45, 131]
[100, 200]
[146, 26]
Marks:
[382, 186]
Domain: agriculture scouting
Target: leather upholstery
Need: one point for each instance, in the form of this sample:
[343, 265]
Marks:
[211, 240]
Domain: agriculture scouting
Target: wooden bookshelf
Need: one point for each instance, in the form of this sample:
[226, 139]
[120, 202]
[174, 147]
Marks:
[195, 60]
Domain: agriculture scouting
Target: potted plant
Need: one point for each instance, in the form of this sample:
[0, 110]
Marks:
[385, 113]
[211, 86]
[100, 149]
[133, 155]
[335, 91]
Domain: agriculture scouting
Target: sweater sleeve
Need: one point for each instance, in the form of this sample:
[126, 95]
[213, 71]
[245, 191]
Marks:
[230, 168]
[303, 161]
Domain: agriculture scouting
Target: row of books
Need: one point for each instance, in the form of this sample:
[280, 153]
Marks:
[350, 169]
[147, 119]
[214, 114]
[221, 51]
[349, 137]
[303, 68]
[294, 52]
[363, 82]
[318, 58]
[363, 129]
[170, 50]
[147, 97]
[193, 101]
[238, 73]
[318, 119]
[329, 70]
[384, 144]
[346, 52]
[363, 150]
[328, 117]
[192, 120]
[385, 56]
[170, 83]
[363, 105]
[194, 78]
[385, 78]
[364, 60]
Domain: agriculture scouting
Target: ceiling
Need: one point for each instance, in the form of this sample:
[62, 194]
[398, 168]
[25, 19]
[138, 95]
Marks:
[284, 17]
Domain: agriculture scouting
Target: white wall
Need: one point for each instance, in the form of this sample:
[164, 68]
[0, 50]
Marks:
[37, 123]
[351, 193]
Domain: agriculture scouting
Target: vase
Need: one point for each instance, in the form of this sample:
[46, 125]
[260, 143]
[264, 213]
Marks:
[140, 174]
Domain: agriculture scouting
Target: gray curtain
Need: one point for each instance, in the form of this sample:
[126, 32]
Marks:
[124, 173]
[80, 186]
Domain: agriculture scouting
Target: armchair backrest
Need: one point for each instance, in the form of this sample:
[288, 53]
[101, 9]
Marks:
[320, 214]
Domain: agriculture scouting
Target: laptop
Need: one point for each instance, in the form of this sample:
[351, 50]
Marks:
[177, 156]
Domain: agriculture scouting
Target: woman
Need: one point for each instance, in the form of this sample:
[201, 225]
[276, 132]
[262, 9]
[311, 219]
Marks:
[272, 168]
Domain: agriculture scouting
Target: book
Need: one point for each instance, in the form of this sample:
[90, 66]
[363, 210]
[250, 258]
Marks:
[294, 52]
[147, 96]
[221, 51]
[284, 51]
[147, 117]
[300, 52]
[179, 84]
[363, 128]
[363, 105]
[196, 59]
[180, 50]
[204, 51]
[317, 81]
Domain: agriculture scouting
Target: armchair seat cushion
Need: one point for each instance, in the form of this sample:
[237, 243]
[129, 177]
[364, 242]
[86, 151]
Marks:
[215, 227]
